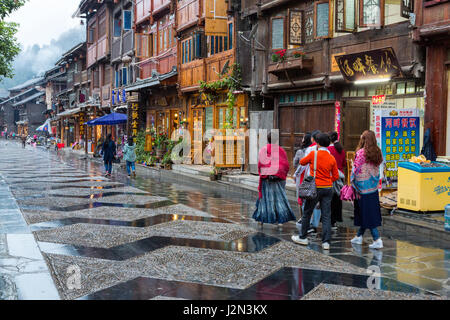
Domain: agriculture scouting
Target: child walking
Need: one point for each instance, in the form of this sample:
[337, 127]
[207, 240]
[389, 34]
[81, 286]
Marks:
[129, 155]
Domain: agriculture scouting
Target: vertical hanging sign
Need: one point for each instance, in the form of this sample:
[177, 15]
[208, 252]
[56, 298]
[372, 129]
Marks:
[337, 117]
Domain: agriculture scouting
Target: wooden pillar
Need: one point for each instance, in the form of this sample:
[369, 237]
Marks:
[435, 101]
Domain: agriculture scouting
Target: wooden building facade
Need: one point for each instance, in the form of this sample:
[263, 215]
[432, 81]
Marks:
[291, 50]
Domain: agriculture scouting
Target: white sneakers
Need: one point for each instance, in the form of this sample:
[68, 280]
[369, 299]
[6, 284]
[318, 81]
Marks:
[357, 240]
[326, 246]
[299, 240]
[376, 244]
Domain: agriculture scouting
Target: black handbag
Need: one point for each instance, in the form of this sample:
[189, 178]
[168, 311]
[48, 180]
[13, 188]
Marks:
[308, 190]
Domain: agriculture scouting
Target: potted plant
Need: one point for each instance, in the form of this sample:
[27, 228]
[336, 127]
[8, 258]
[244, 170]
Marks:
[279, 56]
[298, 54]
[160, 144]
[167, 161]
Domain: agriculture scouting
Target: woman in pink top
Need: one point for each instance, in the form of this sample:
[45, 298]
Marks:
[338, 153]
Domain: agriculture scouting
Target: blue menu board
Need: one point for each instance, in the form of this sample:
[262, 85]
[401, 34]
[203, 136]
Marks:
[400, 140]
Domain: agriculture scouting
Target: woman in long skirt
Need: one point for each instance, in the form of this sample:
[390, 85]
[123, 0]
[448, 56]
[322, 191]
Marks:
[365, 178]
[272, 205]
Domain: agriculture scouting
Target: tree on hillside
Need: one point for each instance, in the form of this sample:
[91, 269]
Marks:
[9, 48]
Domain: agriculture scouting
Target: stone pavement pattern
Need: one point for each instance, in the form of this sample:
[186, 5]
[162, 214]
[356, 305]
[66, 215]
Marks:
[148, 239]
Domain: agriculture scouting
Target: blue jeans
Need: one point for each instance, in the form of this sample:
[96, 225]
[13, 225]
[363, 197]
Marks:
[108, 166]
[130, 167]
[374, 231]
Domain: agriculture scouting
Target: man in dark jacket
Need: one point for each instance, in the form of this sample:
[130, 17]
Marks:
[109, 152]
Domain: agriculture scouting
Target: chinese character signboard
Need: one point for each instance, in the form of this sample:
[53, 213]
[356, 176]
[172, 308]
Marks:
[82, 120]
[398, 133]
[295, 26]
[367, 65]
[134, 119]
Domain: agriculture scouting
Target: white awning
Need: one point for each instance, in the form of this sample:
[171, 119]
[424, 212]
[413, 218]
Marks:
[68, 112]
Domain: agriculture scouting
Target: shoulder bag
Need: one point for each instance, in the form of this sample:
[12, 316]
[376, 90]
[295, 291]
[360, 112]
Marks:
[308, 190]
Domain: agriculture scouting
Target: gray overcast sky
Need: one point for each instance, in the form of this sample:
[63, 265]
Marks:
[43, 20]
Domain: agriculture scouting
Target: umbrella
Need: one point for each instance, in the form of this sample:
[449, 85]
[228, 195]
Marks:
[109, 119]
[44, 127]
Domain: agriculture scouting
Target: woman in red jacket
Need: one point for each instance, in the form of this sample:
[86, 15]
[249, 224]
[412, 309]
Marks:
[326, 173]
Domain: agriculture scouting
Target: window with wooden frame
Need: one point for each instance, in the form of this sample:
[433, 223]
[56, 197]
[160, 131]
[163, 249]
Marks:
[371, 13]
[143, 45]
[277, 34]
[186, 48]
[323, 18]
[345, 15]
[230, 36]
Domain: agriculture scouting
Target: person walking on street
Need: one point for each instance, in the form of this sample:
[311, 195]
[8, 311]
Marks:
[24, 140]
[272, 205]
[325, 174]
[129, 155]
[365, 179]
[109, 152]
[299, 173]
[338, 152]
[315, 219]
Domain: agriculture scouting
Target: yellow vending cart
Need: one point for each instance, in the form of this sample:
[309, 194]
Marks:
[423, 187]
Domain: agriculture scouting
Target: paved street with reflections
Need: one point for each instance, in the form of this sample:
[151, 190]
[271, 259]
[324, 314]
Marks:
[67, 232]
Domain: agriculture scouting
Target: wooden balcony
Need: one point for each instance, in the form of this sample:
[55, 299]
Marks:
[77, 78]
[84, 76]
[189, 12]
[191, 73]
[143, 10]
[297, 65]
[161, 65]
[106, 95]
[160, 5]
[127, 44]
[116, 49]
[91, 54]
[215, 64]
[207, 69]
[102, 47]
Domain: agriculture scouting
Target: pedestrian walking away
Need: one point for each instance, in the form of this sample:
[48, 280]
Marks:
[24, 140]
[300, 171]
[315, 219]
[109, 152]
[272, 205]
[129, 155]
[338, 152]
[365, 179]
[324, 168]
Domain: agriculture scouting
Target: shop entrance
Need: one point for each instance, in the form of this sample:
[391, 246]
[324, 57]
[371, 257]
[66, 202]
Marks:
[197, 116]
[296, 121]
[355, 120]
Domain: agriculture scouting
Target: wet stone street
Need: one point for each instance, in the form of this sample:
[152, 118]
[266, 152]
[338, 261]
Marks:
[67, 232]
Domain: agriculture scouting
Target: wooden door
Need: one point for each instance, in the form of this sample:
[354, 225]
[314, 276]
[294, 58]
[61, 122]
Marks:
[197, 116]
[355, 120]
[295, 122]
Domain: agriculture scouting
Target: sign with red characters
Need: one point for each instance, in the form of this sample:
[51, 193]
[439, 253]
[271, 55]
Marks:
[378, 99]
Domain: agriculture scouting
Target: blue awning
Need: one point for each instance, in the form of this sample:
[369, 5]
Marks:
[109, 119]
